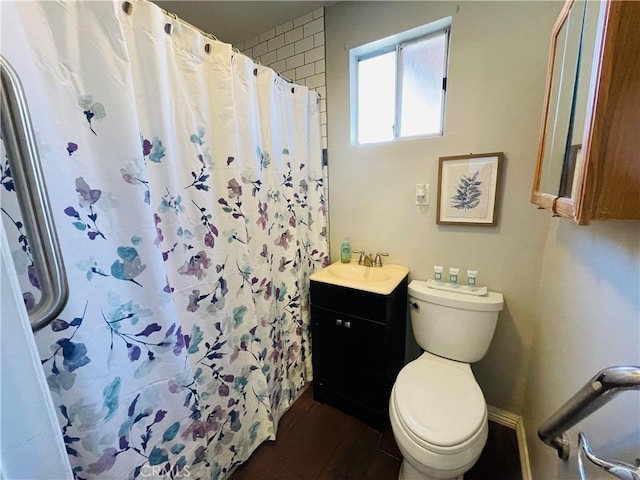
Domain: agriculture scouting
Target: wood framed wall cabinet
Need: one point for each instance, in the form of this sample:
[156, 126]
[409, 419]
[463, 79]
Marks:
[589, 152]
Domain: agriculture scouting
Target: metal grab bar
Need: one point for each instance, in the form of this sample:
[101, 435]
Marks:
[24, 161]
[605, 385]
[624, 471]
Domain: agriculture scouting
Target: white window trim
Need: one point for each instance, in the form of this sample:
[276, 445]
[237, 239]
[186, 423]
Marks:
[385, 45]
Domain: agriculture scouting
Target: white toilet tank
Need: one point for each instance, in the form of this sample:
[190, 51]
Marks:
[453, 325]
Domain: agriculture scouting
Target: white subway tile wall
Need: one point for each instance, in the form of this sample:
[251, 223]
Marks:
[295, 50]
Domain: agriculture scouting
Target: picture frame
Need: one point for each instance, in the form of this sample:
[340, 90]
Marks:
[469, 189]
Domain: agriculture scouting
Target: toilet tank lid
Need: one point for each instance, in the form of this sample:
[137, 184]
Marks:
[491, 302]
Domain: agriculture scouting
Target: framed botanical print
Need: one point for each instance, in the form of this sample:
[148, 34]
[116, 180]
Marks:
[468, 189]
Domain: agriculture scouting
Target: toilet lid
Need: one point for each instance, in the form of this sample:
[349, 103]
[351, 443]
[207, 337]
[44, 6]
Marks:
[439, 403]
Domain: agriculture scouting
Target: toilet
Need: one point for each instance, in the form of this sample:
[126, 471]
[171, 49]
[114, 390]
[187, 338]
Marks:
[437, 410]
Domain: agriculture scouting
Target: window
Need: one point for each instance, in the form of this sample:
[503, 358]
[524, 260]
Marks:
[398, 85]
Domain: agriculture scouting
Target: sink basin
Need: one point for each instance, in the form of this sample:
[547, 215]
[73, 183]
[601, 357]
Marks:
[382, 280]
[353, 271]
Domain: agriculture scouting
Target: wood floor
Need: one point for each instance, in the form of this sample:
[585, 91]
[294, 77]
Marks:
[318, 442]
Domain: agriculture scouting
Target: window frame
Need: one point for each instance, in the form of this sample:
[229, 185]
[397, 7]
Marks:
[389, 44]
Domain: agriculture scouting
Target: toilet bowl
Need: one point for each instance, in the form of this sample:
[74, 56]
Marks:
[438, 417]
[437, 410]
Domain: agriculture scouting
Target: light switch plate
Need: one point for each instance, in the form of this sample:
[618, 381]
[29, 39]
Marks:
[422, 199]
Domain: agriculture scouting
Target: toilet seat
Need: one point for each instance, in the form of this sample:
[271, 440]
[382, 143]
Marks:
[439, 404]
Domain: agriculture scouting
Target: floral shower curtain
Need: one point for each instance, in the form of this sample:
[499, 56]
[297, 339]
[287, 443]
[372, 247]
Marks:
[187, 188]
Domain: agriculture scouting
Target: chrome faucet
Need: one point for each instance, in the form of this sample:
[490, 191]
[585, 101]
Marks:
[378, 261]
[367, 260]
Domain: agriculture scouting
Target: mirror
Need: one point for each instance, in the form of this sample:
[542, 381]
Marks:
[573, 53]
[563, 80]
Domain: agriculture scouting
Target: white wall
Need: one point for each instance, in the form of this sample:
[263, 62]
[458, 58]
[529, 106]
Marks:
[588, 318]
[498, 63]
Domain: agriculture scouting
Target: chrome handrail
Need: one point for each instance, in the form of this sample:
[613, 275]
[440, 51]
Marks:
[601, 389]
[26, 171]
[622, 470]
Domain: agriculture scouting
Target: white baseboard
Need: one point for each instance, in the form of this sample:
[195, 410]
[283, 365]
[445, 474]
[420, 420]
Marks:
[511, 420]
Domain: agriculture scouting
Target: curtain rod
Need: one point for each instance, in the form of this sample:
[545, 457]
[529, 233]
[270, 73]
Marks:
[213, 37]
[189, 25]
[127, 7]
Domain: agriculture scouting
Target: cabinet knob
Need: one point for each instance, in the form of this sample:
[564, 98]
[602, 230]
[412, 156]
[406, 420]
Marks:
[338, 322]
[347, 324]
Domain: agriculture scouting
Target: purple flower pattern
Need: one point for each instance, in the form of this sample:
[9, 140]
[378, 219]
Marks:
[71, 148]
[87, 198]
[196, 265]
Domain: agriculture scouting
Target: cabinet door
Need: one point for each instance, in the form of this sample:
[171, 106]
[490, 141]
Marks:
[364, 344]
[349, 359]
[328, 353]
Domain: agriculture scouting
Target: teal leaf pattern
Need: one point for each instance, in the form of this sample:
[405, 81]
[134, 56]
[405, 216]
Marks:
[130, 265]
[110, 395]
[91, 110]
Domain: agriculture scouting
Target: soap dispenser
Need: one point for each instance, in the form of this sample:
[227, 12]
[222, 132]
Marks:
[345, 250]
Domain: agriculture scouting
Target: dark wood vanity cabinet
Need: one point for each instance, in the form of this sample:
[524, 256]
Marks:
[358, 341]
